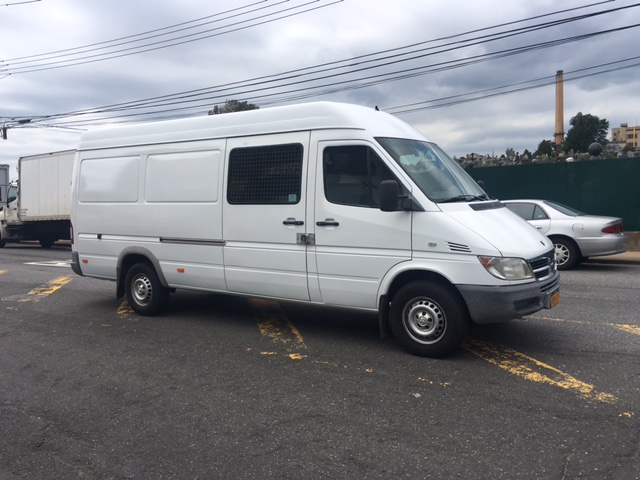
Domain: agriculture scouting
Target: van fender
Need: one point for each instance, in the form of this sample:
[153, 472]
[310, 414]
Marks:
[398, 276]
[130, 256]
[412, 270]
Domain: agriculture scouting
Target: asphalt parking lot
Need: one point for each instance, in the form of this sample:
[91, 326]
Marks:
[232, 387]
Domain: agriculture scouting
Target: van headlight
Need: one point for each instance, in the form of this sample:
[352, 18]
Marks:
[507, 268]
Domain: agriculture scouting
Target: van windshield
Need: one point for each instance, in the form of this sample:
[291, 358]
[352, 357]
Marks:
[439, 177]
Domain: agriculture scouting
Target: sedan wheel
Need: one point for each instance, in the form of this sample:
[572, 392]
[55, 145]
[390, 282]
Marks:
[567, 255]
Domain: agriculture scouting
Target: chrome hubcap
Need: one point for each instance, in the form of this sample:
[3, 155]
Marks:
[141, 290]
[562, 254]
[425, 320]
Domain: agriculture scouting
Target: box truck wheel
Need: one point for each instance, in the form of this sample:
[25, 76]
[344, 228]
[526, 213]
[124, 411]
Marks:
[428, 319]
[144, 292]
[47, 242]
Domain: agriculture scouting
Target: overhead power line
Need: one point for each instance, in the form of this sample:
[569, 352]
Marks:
[451, 100]
[139, 36]
[296, 91]
[18, 3]
[357, 64]
[80, 56]
[339, 76]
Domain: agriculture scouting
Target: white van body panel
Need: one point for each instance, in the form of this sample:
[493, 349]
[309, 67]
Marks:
[136, 196]
[161, 194]
[499, 227]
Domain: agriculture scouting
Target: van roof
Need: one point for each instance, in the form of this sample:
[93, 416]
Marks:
[291, 118]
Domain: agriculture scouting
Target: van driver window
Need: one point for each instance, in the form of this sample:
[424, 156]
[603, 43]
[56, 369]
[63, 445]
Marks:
[265, 175]
[352, 175]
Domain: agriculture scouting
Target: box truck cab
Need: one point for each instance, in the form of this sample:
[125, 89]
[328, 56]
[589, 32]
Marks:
[325, 203]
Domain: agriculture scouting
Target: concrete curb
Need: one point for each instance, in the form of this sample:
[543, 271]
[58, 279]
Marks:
[620, 258]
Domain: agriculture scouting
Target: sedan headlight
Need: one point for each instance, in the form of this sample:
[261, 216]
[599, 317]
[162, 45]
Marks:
[507, 268]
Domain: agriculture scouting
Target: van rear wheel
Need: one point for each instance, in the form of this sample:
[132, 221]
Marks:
[428, 319]
[144, 292]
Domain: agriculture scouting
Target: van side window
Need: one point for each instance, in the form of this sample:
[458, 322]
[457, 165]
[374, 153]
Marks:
[270, 174]
[352, 175]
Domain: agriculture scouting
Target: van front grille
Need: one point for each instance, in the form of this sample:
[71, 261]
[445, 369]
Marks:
[544, 266]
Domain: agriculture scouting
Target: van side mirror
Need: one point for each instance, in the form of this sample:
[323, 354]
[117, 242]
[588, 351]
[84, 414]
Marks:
[389, 195]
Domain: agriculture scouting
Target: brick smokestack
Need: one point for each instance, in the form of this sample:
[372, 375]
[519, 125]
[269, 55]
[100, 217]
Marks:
[558, 137]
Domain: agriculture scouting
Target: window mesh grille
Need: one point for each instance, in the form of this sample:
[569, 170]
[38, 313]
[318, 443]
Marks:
[265, 175]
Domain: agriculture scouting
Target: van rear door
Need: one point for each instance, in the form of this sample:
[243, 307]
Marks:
[264, 215]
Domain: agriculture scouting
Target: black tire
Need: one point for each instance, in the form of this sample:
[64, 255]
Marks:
[145, 293]
[428, 319]
[567, 253]
[47, 242]
[2, 243]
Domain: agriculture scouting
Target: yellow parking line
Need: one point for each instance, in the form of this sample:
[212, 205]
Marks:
[627, 328]
[125, 309]
[50, 287]
[524, 366]
[620, 326]
[2, 272]
[275, 325]
[47, 289]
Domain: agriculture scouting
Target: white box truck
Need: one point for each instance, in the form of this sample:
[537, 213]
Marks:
[325, 203]
[38, 206]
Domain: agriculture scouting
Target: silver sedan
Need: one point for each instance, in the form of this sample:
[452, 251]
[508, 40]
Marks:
[575, 235]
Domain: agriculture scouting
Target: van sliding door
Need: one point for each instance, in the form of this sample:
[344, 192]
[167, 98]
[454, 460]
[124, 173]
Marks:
[264, 217]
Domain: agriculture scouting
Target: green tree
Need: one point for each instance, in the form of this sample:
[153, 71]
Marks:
[544, 148]
[628, 148]
[233, 106]
[585, 129]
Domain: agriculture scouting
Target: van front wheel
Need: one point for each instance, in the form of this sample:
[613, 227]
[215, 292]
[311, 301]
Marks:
[428, 319]
[145, 293]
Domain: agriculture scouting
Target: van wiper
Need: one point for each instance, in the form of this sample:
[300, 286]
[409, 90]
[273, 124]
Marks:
[467, 198]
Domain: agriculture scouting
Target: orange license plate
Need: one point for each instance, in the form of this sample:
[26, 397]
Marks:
[555, 299]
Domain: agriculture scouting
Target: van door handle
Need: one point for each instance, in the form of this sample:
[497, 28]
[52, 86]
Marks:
[292, 221]
[328, 222]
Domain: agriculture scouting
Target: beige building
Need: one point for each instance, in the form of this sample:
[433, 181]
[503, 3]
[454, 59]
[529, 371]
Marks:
[625, 135]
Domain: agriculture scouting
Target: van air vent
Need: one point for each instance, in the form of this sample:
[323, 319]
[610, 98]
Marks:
[458, 247]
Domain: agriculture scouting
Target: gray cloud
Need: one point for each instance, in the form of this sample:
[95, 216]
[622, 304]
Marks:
[347, 29]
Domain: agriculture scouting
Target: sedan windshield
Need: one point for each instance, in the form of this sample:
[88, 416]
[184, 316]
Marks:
[439, 177]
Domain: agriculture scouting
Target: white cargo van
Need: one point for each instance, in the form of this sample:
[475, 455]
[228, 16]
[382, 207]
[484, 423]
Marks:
[324, 203]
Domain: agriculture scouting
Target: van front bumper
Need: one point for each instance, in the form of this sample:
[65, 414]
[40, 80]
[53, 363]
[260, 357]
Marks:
[504, 303]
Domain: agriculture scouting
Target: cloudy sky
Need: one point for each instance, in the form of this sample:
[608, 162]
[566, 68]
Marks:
[474, 76]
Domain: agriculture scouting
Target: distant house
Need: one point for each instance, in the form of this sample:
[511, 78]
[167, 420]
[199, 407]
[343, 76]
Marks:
[625, 135]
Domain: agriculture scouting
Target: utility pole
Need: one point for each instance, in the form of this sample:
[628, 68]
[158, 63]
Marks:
[558, 137]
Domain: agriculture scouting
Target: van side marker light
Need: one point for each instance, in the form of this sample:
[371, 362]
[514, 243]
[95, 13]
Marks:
[180, 270]
[84, 260]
